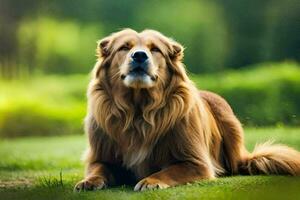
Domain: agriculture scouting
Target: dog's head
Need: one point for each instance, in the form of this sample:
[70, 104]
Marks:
[139, 85]
[139, 60]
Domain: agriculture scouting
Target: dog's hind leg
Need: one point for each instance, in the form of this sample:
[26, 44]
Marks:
[232, 150]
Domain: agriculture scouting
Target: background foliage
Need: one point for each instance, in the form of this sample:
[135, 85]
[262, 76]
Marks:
[247, 51]
[59, 36]
[267, 94]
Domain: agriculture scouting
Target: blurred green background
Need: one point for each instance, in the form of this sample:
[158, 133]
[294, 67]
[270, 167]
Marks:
[247, 51]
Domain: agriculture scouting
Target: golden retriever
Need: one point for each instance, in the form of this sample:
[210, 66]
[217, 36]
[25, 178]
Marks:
[148, 124]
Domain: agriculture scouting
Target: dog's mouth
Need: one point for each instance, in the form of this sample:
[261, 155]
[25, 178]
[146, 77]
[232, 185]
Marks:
[138, 73]
[139, 77]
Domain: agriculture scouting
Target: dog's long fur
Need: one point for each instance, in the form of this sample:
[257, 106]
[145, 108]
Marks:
[169, 134]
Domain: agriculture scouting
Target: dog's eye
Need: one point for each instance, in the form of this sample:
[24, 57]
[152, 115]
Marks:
[155, 49]
[124, 48]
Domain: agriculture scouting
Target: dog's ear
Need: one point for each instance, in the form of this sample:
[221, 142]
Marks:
[175, 62]
[102, 52]
[176, 51]
[103, 47]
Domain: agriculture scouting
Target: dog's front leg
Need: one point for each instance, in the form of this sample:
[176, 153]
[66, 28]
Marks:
[98, 176]
[173, 175]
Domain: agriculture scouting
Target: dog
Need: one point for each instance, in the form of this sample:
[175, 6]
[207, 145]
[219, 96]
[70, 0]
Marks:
[150, 126]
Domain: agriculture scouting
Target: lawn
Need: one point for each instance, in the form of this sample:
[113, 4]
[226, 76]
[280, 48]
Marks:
[48, 167]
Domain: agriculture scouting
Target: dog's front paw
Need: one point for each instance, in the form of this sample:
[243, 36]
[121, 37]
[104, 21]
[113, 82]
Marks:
[150, 184]
[90, 183]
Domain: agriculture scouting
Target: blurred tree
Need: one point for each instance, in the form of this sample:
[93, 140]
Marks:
[59, 36]
[58, 46]
[262, 31]
[11, 12]
[282, 40]
[198, 25]
[246, 24]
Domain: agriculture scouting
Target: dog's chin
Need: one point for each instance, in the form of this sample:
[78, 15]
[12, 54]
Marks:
[138, 81]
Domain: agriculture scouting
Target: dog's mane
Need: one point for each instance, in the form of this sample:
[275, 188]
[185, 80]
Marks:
[137, 119]
[144, 116]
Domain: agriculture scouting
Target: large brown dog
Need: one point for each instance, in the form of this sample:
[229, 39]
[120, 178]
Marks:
[147, 122]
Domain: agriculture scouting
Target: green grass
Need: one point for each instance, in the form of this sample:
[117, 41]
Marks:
[48, 168]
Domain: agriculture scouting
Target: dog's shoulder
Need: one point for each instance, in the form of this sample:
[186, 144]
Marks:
[215, 101]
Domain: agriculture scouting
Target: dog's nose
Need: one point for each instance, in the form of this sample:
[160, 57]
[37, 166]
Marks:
[139, 56]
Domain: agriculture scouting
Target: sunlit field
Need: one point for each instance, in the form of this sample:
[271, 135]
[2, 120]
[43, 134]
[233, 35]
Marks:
[48, 168]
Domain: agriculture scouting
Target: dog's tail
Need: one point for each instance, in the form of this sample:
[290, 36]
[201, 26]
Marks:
[269, 158]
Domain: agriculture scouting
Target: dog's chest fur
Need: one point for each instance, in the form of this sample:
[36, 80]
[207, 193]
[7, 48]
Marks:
[140, 157]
